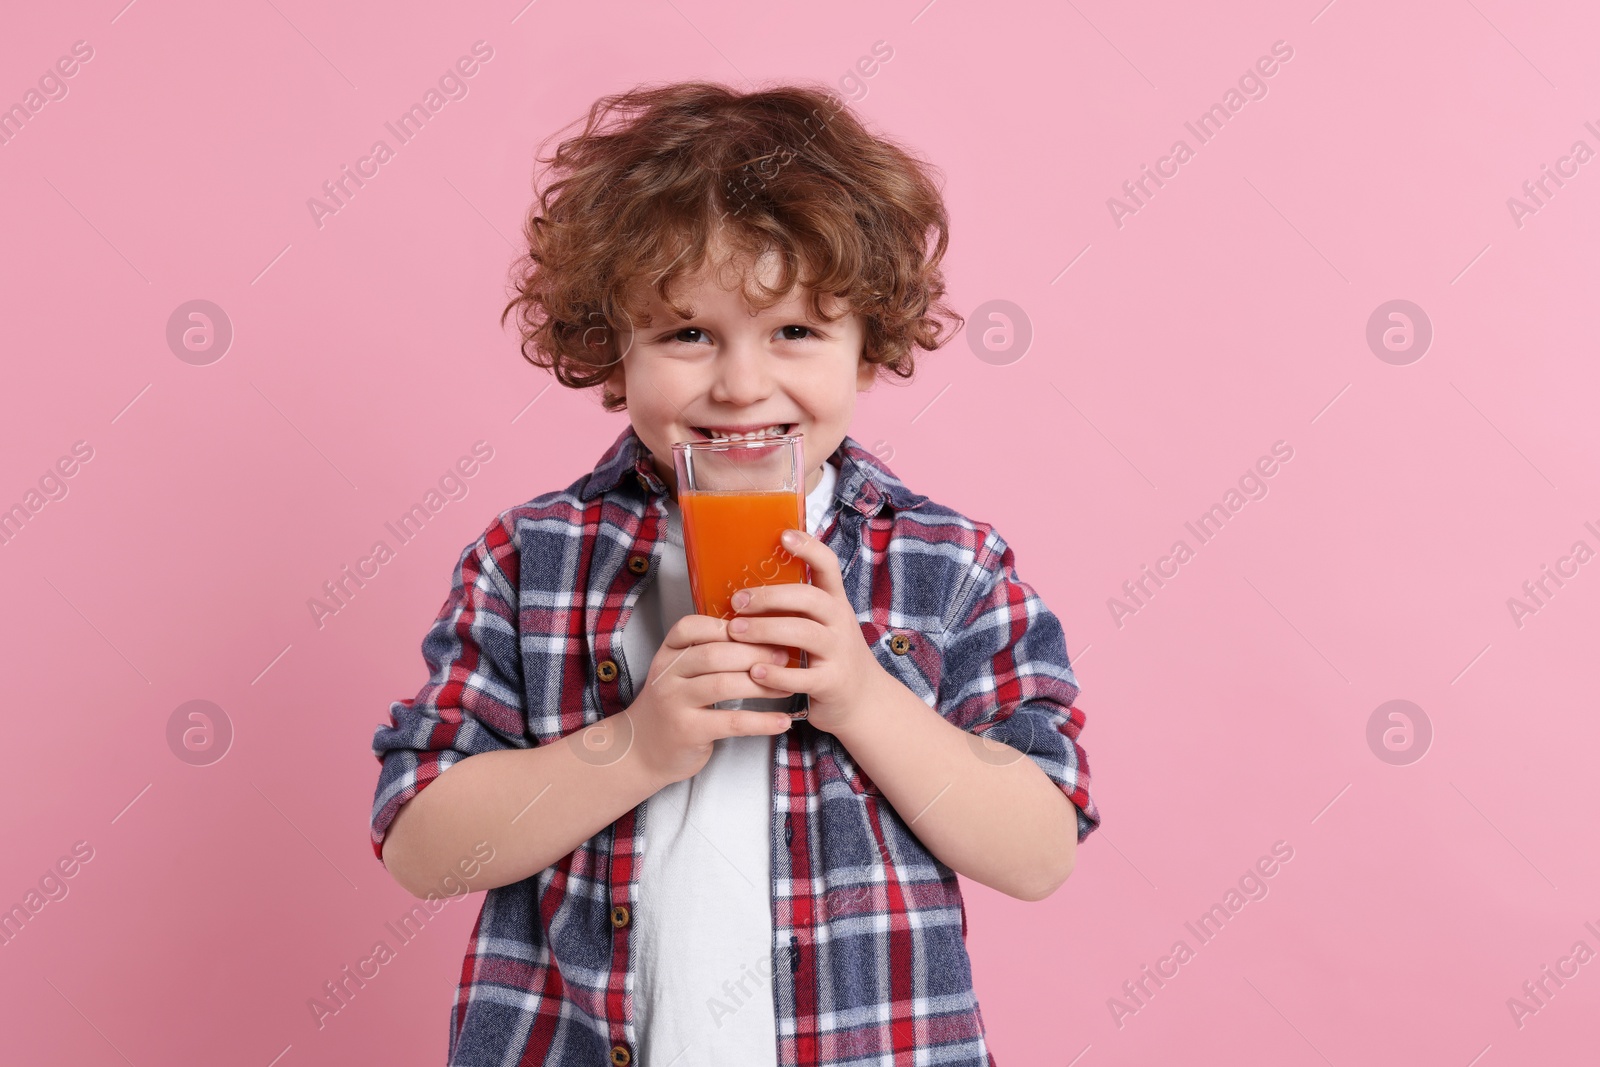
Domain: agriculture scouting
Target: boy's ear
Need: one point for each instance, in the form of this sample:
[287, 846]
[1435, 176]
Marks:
[866, 376]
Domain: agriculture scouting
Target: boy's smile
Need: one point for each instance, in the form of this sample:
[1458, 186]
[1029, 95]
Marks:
[726, 370]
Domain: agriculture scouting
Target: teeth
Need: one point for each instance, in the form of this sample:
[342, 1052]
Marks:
[771, 431]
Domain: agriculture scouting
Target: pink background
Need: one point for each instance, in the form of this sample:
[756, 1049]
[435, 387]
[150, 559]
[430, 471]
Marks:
[1230, 312]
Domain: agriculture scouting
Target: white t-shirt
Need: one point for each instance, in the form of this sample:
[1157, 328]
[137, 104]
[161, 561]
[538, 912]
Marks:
[702, 927]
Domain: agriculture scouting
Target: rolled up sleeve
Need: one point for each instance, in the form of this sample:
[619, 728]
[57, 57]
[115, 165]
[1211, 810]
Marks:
[1007, 678]
[473, 700]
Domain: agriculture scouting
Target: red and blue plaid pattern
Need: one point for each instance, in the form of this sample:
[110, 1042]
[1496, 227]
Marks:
[869, 949]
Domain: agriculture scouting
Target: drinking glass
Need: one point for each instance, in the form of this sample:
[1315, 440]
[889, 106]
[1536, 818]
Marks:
[737, 498]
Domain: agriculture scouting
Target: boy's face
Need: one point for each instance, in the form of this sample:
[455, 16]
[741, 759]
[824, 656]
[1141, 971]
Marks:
[726, 368]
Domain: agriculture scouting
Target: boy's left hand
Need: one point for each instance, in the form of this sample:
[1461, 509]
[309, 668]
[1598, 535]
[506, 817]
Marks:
[816, 617]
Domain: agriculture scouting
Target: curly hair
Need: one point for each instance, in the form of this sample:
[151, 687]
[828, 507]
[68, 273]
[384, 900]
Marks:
[661, 174]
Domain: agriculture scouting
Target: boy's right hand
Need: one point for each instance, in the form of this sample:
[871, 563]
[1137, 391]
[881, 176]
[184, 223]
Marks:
[697, 665]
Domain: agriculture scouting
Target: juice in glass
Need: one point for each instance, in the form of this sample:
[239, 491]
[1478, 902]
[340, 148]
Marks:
[737, 498]
[731, 541]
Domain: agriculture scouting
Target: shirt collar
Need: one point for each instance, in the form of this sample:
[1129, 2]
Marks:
[864, 484]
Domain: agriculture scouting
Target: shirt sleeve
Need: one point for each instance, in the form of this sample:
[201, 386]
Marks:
[473, 699]
[1006, 677]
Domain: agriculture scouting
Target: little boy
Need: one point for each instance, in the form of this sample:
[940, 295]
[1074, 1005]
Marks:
[728, 264]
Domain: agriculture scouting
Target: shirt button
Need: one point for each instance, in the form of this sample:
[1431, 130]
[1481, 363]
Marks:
[619, 915]
[788, 829]
[638, 564]
[607, 670]
[620, 1055]
[900, 644]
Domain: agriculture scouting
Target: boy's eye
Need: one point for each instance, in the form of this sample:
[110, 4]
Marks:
[694, 334]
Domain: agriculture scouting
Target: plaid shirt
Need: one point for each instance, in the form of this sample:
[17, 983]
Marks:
[869, 929]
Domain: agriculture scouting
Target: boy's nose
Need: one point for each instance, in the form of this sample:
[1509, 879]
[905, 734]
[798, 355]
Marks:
[741, 377]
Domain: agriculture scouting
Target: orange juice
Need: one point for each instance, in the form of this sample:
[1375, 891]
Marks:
[731, 541]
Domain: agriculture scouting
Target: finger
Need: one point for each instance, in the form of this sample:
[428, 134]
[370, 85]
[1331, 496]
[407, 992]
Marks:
[693, 630]
[791, 631]
[786, 679]
[730, 685]
[789, 598]
[819, 557]
[689, 633]
[722, 657]
[746, 723]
